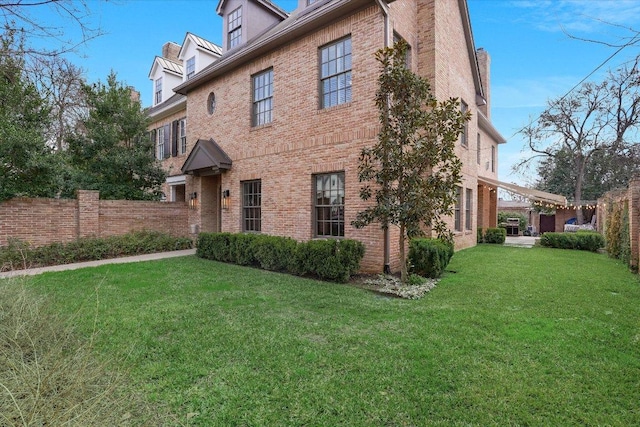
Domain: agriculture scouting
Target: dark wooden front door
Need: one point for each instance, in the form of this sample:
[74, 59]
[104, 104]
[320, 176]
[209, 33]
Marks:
[547, 223]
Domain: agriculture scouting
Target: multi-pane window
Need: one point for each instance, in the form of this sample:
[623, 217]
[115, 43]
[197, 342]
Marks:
[160, 143]
[463, 137]
[407, 54]
[262, 98]
[191, 67]
[335, 73]
[329, 205]
[182, 134]
[468, 209]
[252, 205]
[234, 27]
[457, 219]
[158, 90]
[479, 149]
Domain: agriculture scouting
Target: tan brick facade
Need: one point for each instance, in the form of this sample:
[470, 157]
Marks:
[43, 221]
[303, 139]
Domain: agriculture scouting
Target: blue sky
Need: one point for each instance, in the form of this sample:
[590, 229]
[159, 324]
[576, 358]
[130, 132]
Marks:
[533, 58]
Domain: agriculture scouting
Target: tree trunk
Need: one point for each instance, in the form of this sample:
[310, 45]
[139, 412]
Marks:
[403, 258]
[577, 194]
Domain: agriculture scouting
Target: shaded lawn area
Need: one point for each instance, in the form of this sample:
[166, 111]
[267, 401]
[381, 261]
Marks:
[513, 337]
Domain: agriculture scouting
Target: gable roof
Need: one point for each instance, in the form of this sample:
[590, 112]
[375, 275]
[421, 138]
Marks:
[201, 44]
[298, 23]
[166, 65]
[206, 158]
[172, 105]
[267, 4]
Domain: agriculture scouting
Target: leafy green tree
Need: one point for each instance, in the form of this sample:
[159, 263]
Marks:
[27, 167]
[607, 170]
[112, 152]
[412, 172]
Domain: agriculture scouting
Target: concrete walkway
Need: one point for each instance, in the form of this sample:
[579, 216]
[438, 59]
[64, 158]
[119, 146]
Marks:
[75, 266]
[521, 241]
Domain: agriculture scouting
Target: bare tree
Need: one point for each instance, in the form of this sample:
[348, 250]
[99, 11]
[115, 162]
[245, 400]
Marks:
[61, 83]
[19, 15]
[595, 119]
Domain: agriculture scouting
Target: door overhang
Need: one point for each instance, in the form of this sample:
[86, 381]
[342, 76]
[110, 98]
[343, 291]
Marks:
[206, 158]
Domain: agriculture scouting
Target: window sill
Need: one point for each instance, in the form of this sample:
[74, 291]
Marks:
[259, 127]
[334, 107]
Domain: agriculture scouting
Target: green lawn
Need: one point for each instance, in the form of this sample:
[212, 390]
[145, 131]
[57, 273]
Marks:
[510, 336]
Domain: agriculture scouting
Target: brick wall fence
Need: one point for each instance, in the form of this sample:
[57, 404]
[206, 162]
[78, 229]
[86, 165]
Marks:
[617, 198]
[44, 221]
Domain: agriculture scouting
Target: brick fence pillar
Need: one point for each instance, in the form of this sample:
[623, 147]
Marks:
[88, 213]
[634, 219]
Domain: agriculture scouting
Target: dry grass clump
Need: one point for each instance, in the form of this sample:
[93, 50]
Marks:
[48, 375]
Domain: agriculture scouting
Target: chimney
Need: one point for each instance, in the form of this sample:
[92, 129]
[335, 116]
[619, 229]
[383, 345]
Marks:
[134, 94]
[484, 64]
[170, 51]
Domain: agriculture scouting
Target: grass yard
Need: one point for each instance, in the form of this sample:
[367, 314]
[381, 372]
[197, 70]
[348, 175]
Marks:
[512, 337]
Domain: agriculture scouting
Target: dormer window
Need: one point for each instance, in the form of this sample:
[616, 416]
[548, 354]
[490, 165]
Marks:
[191, 67]
[234, 27]
[158, 91]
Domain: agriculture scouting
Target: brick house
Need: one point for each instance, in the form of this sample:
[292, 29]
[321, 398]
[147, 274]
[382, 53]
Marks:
[279, 114]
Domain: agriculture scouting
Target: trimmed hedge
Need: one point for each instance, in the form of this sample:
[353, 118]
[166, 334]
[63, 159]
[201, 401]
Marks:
[19, 254]
[429, 257]
[331, 259]
[495, 235]
[582, 240]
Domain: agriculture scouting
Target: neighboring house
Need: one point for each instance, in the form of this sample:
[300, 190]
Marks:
[168, 114]
[275, 124]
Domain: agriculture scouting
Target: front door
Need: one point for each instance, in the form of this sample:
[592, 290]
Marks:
[210, 207]
[547, 223]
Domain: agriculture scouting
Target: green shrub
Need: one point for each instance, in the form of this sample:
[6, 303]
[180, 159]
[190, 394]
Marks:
[335, 260]
[495, 235]
[331, 259]
[214, 246]
[429, 257]
[243, 250]
[274, 253]
[480, 235]
[18, 255]
[584, 241]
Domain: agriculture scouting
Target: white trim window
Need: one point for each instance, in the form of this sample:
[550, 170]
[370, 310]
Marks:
[158, 90]
[160, 143]
[234, 28]
[182, 129]
[191, 67]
